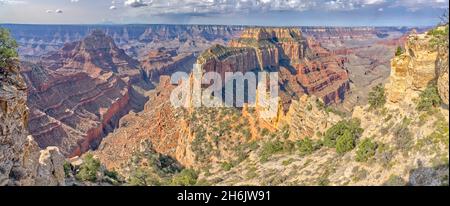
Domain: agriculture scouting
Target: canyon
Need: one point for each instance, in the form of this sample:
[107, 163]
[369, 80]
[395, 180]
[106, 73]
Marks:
[77, 95]
[105, 91]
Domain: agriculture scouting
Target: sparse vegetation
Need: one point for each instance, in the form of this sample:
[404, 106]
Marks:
[270, 148]
[187, 177]
[345, 143]
[343, 135]
[366, 150]
[306, 146]
[395, 180]
[89, 168]
[439, 36]
[402, 135]
[429, 98]
[67, 169]
[399, 51]
[227, 166]
[8, 48]
[377, 97]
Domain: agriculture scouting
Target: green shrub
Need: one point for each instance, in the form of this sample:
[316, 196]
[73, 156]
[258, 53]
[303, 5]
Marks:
[89, 168]
[429, 98]
[402, 135]
[377, 98]
[343, 135]
[8, 48]
[227, 166]
[439, 37]
[305, 146]
[366, 150]
[112, 174]
[399, 51]
[143, 177]
[187, 177]
[270, 148]
[67, 169]
[345, 143]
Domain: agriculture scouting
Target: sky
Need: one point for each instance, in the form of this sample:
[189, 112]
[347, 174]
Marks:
[229, 12]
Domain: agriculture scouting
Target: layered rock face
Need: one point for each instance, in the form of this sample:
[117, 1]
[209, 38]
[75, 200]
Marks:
[77, 95]
[416, 68]
[304, 66]
[157, 123]
[21, 160]
[165, 62]
[305, 118]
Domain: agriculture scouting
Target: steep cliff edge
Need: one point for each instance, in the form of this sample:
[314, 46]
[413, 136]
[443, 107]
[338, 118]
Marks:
[77, 95]
[420, 65]
[21, 160]
[304, 66]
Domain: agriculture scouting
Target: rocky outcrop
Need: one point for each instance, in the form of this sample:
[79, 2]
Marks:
[21, 160]
[223, 59]
[305, 67]
[78, 95]
[442, 74]
[43, 167]
[166, 62]
[157, 123]
[13, 123]
[306, 118]
[420, 65]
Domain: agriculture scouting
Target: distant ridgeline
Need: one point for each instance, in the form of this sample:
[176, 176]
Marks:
[35, 40]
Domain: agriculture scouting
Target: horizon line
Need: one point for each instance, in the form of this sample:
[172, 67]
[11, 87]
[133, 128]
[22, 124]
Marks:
[233, 25]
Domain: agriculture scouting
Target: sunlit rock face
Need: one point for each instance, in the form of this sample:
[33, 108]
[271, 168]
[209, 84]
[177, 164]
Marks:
[78, 94]
[22, 162]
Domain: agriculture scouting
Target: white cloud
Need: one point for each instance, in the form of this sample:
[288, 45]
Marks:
[11, 2]
[135, 3]
[242, 6]
[58, 11]
[414, 5]
[113, 7]
[74, 1]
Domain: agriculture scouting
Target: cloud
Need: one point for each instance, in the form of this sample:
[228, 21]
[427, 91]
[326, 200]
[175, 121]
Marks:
[74, 1]
[58, 11]
[135, 3]
[11, 2]
[113, 7]
[246, 6]
[414, 5]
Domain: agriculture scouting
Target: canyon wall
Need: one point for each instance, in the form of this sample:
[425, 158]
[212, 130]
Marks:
[137, 40]
[418, 66]
[78, 94]
[22, 162]
[304, 66]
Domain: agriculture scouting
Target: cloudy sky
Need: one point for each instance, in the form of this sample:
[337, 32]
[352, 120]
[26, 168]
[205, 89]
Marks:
[246, 12]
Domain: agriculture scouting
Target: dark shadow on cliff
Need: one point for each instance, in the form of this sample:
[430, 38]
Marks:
[423, 176]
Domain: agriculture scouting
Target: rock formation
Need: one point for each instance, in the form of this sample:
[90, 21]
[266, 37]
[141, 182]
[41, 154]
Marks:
[307, 118]
[21, 160]
[415, 69]
[78, 94]
[166, 62]
[304, 66]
